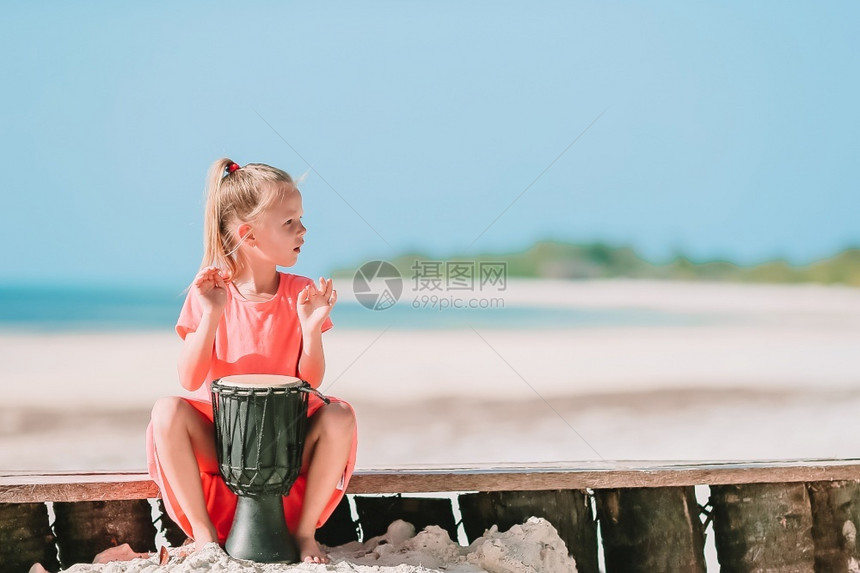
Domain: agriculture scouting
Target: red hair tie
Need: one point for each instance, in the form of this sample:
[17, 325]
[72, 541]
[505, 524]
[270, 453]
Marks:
[232, 167]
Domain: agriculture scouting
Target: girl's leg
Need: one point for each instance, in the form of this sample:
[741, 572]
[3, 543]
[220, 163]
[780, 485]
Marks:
[327, 446]
[182, 437]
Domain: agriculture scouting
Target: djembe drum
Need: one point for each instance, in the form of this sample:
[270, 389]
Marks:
[260, 425]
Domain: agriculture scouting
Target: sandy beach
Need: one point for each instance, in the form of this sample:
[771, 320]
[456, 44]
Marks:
[532, 547]
[774, 374]
[764, 372]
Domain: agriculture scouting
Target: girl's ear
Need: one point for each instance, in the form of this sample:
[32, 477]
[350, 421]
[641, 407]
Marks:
[245, 233]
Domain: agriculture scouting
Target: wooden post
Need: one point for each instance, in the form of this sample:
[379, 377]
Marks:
[340, 528]
[26, 538]
[172, 532]
[763, 527]
[651, 529]
[86, 528]
[569, 511]
[375, 514]
[834, 531]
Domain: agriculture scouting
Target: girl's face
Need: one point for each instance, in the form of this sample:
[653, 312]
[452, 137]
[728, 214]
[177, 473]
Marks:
[278, 234]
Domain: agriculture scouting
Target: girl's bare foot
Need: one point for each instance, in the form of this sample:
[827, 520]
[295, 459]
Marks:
[122, 552]
[309, 550]
[204, 537]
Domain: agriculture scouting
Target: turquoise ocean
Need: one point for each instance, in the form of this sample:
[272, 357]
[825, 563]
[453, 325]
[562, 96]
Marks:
[51, 310]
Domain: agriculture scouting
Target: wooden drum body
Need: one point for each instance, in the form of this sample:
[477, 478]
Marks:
[260, 425]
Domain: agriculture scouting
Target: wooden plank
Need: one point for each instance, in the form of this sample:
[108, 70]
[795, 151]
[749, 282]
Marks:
[764, 527]
[597, 475]
[651, 529]
[26, 537]
[21, 487]
[87, 528]
[833, 529]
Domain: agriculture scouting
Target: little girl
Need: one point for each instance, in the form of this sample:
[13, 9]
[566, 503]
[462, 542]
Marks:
[242, 316]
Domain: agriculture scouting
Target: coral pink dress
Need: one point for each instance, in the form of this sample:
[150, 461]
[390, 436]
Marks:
[252, 338]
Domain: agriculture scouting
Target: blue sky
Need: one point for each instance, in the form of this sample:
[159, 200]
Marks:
[725, 130]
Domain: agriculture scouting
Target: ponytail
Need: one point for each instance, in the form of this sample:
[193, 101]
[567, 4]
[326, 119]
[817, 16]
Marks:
[235, 193]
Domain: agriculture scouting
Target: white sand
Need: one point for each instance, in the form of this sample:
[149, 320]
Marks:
[533, 547]
[776, 336]
[680, 296]
[777, 375]
[774, 373]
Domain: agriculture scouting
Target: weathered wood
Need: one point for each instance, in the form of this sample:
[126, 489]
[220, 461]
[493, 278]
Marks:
[651, 529]
[375, 514]
[597, 475]
[855, 519]
[26, 538]
[172, 532]
[22, 487]
[86, 528]
[569, 511]
[340, 528]
[763, 528]
[833, 529]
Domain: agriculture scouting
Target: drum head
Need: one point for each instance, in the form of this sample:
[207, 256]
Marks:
[259, 381]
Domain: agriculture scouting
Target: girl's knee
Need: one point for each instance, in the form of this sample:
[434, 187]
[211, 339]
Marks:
[167, 411]
[339, 417]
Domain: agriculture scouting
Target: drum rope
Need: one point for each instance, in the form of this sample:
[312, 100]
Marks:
[246, 416]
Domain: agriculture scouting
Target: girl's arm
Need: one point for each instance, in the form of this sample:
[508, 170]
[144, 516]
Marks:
[196, 354]
[313, 307]
[312, 360]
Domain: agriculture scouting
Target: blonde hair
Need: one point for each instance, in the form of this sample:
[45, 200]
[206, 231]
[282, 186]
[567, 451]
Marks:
[238, 196]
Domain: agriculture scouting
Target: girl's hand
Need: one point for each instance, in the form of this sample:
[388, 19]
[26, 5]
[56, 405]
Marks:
[211, 290]
[314, 305]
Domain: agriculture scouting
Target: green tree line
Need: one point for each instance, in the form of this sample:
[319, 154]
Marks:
[560, 260]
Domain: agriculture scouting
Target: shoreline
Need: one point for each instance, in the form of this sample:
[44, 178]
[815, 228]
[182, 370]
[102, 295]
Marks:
[837, 304]
[774, 384]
